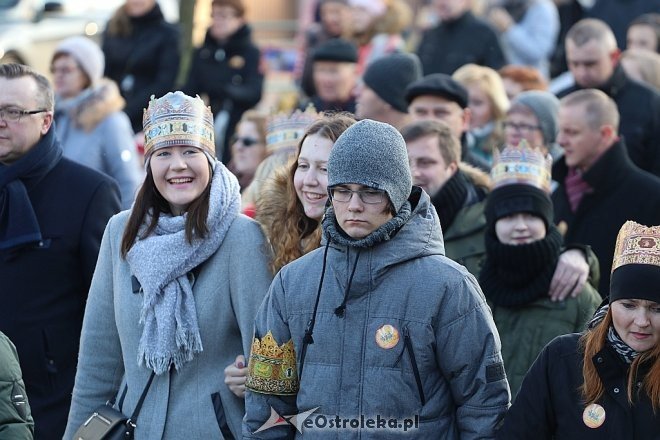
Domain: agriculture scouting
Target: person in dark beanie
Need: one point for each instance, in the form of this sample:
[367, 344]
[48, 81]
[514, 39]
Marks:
[604, 382]
[334, 65]
[226, 69]
[379, 304]
[522, 252]
[381, 95]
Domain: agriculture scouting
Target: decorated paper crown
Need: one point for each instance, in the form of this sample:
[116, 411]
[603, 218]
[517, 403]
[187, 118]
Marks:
[283, 131]
[178, 119]
[637, 244]
[522, 165]
[272, 368]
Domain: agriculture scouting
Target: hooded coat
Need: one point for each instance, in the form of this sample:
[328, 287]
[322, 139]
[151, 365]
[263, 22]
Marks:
[445, 365]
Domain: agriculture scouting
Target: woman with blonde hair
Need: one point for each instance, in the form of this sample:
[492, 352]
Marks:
[604, 383]
[248, 147]
[488, 105]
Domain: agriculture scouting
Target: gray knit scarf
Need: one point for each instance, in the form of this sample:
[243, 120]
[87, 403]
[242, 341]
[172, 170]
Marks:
[161, 263]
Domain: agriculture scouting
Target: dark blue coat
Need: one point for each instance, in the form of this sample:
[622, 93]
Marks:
[43, 287]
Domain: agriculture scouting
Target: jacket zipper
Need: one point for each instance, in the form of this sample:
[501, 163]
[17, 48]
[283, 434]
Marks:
[408, 345]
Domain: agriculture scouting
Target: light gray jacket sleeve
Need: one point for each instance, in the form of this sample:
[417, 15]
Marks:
[100, 366]
[468, 353]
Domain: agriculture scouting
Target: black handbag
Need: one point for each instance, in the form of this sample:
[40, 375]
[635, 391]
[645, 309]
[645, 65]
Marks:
[107, 423]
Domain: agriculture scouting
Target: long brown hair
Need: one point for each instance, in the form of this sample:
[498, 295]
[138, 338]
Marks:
[149, 200]
[592, 388]
[291, 233]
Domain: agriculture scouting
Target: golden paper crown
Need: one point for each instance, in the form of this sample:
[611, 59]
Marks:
[637, 244]
[522, 165]
[178, 119]
[272, 369]
[284, 130]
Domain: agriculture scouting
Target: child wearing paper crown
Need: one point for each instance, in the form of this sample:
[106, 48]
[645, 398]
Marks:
[522, 249]
[605, 382]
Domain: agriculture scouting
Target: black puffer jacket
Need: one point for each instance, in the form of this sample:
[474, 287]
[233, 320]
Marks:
[228, 72]
[144, 63]
[549, 405]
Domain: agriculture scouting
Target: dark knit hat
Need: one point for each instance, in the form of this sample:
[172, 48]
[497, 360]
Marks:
[636, 263]
[438, 84]
[336, 49]
[372, 154]
[512, 199]
[545, 107]
[389, 76]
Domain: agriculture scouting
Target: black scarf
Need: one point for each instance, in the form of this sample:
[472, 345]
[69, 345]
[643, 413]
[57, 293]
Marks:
[450, 199]
[516, 275]
[18, 222]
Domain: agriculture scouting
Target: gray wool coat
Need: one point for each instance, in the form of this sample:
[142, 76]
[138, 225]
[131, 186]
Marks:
[228, 291]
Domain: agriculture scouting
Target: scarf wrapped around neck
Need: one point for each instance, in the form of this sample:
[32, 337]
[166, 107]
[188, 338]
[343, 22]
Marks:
[627, 353]
[161, 263]
[18, 222]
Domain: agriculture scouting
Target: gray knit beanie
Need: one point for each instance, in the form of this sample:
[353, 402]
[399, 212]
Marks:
[390, 75]
[87, 54]
[372, 154]
[545, 107]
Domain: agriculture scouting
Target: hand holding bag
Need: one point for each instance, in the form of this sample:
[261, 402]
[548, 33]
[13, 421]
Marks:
[107, 423]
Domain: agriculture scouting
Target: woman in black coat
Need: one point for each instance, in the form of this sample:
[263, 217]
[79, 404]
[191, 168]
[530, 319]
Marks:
[605, 383]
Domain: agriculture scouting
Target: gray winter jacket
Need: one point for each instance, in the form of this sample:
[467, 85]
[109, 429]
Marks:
[444, 371]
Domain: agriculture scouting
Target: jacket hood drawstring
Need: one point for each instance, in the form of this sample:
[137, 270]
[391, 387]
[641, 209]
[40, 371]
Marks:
[339, 311]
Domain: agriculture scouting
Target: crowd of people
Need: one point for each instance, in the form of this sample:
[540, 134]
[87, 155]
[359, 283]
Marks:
[455, 228]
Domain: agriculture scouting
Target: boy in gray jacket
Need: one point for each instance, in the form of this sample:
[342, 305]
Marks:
[376, 334]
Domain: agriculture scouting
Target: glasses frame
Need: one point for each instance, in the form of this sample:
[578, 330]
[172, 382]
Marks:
[528, 128]
[361, 194]
[21, 113]
[250, 141]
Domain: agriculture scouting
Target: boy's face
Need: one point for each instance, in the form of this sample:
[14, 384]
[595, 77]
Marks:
[520, 228]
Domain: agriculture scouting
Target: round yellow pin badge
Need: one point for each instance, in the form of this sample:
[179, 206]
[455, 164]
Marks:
[387, 336]
[593, 415]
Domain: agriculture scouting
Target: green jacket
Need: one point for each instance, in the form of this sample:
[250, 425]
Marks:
[15, 416]
[464, 239]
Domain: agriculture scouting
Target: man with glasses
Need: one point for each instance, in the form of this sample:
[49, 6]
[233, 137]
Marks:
[377, 324]
[52, 216]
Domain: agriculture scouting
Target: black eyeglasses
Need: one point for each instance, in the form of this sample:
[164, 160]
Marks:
[520, 127]
[15, 114]
[368, 196]
[246, 141]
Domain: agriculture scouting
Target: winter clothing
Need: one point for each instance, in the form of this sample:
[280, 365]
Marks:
[356, 158]
[549, 404]
[465, 40]
[143, 63]
[618, 14]
[229, 74]
[15, 417]
[51, 272]
[532, 39]
[545, 107]
[438, 84]
[619, 192]
[412, 367]
[193, 401]
[337, 50]
[389, 76]
[639, 107]
[510, 199]
[87, 54]
[95, 132]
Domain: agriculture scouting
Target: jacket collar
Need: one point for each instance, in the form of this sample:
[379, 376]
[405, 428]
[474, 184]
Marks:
[240, 38]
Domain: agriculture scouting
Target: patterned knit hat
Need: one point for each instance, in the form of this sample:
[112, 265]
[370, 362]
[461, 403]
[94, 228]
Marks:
[284, 130]
[178, 119]
[636, 263]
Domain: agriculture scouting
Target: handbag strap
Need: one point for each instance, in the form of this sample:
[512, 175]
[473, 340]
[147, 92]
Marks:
[131, 422]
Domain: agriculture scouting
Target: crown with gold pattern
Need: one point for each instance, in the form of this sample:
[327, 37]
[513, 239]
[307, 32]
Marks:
[522, 164]
[637, 244]
[178, 119]
[284, 130]
[272, 368]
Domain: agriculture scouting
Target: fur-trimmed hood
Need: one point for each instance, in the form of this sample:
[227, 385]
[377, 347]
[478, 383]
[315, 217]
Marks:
[476, 176]
[93, 105]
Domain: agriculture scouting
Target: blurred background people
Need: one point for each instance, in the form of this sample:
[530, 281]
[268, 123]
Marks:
[141, 55]
[248, 147]
[518, 79]
[226, 70]
[644, 32]
[90, 124]
[643, 66]
[488, 104]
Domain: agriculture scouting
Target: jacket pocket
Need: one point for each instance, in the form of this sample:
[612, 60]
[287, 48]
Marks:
[220, 416]
[407, 344]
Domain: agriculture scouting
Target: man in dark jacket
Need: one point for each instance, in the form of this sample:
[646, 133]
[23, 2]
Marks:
[227, 69]
[599, 187]
[459, 39]
[593, 59]
[52, 216]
